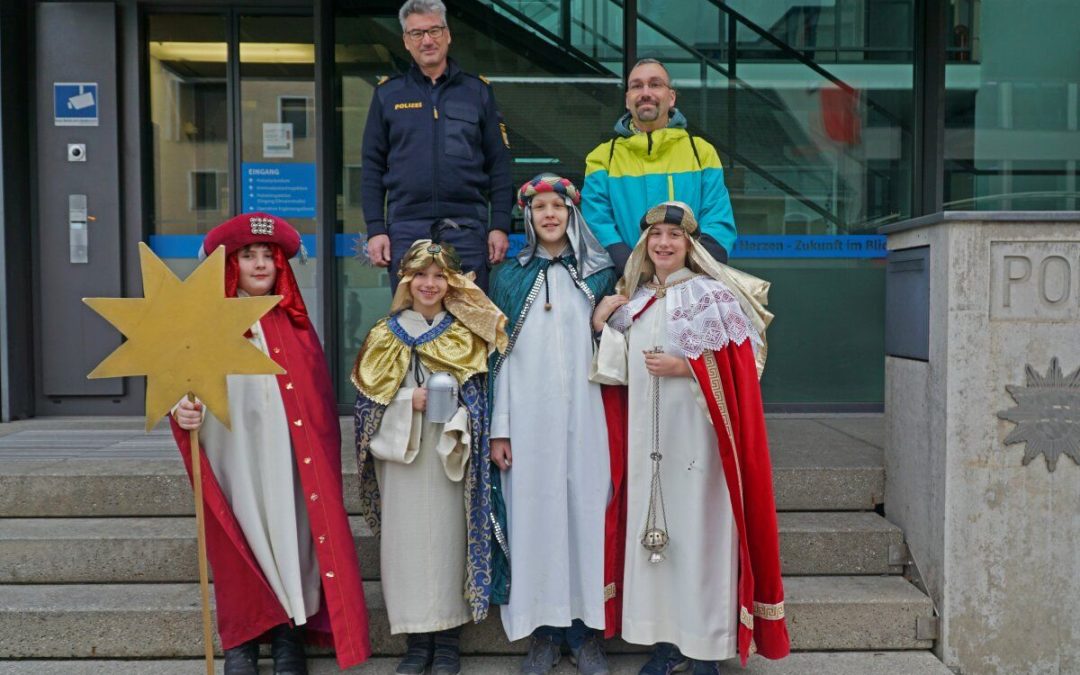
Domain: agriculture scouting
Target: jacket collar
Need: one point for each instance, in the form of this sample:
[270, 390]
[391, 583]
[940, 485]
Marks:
[624, 125]
[452, 71]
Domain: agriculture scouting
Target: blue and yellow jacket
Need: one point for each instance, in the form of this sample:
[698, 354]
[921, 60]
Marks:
[634, 171]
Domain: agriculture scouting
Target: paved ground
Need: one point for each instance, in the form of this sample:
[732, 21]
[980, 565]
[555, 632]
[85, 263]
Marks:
[858, 438]
[853, 663]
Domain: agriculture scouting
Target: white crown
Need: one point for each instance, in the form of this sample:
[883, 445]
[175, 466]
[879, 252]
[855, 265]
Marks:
[261, 225]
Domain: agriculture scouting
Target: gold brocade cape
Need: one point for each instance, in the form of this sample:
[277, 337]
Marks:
[383, 360]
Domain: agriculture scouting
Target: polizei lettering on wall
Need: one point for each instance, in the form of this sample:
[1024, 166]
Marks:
[1035, 280]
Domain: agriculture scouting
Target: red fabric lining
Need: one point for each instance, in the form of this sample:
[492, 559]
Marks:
[615, 405]
[748, 472]
[648, 304]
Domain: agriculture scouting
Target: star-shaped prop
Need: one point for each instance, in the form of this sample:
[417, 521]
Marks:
[184, 336]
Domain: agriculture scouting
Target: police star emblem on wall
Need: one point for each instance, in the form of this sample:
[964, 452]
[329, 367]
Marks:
[1047, 415]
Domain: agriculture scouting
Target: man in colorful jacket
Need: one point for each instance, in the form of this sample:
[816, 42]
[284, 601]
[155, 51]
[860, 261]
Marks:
[653, 159]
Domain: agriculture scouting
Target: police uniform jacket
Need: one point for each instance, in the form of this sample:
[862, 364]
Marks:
[435, 151]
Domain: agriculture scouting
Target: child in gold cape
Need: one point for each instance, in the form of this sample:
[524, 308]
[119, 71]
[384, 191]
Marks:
[416, 473]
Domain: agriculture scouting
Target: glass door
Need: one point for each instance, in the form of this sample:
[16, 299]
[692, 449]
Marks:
[277, 134]
[232, 129]
[189, 113]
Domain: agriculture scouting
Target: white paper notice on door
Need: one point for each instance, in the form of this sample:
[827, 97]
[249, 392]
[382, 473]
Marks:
[277, 139]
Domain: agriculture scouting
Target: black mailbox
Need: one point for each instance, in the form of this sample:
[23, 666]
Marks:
[907, 303]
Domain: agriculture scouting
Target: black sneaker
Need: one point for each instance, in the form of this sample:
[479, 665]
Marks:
[706, 668]
[666, 659]
[287, 649]
[590, 658]
[418, 653]
[447, 659]
[243, 660]
[543, 656]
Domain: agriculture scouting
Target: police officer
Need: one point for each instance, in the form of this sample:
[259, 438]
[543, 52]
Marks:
[434, 148]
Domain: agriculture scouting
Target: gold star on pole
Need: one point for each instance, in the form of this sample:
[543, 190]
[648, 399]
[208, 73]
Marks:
[184, 336]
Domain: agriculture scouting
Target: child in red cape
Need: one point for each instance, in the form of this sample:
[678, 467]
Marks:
[278, 538]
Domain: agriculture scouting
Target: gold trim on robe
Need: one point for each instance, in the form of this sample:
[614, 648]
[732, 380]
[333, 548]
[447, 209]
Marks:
[770, 612]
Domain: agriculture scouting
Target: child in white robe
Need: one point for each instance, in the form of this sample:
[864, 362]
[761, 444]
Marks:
[416, 473]
[548, 432]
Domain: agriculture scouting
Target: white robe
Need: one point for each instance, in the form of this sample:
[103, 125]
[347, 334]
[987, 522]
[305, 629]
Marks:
[691, 598]
[255, 467]
[557, 488]
[419, 466]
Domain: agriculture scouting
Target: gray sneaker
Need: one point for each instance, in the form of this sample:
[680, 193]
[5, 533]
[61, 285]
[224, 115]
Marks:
[543, 656]
[706, 668]
[590, 657]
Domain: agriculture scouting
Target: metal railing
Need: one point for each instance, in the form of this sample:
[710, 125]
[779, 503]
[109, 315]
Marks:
[590, 38]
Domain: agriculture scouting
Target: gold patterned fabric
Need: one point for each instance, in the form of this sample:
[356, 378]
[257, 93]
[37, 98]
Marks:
[767, 611]
[384, 359]
[746, 618]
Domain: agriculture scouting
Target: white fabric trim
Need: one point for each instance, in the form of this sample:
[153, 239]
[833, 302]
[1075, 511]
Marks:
[702, 315]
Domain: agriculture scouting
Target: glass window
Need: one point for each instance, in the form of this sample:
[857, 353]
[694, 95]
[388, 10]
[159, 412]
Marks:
[194, 133]
[188, 107]
[817, 145]
[297, 111]
[558, 103]
[208, 190]
[277, 131]
[1012, 138]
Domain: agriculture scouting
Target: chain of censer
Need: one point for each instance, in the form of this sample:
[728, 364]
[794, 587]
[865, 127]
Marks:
[656, 492]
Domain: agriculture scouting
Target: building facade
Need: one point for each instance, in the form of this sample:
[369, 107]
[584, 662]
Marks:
[151, 121]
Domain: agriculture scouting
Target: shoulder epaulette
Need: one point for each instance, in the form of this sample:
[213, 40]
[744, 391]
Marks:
[484, 80]
[383, 80]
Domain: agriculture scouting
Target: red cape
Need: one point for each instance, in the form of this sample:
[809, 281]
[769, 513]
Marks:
[729, 383]
[246, 606]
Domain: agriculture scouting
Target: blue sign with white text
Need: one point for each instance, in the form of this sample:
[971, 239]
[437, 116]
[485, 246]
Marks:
[75, 104]
[286, 190]
[809, 246]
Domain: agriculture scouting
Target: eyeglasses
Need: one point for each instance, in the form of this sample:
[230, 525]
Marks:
[638, 85]
[435, 32]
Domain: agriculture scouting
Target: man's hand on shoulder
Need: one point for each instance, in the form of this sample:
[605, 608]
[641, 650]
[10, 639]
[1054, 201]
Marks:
[378, 248]
[498, 243]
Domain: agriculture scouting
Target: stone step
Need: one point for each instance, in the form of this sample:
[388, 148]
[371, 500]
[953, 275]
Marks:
[107, 550]
[154, 621]
[803, 663]
[820, 464]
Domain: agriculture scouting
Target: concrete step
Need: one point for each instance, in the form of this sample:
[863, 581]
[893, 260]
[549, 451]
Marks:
[90, 468]
[805, 663]
[156, 621]
[107, 550]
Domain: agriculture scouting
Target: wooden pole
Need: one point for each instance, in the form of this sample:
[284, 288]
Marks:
[200, 526]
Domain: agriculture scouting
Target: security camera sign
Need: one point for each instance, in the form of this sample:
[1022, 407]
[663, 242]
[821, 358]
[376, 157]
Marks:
[75, 104]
